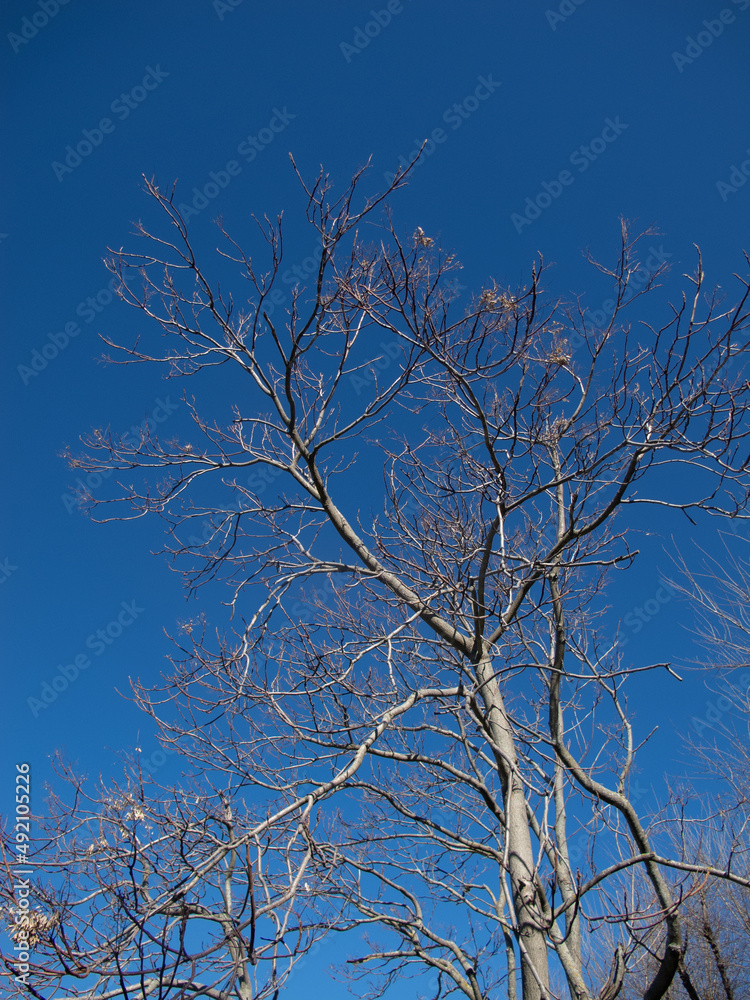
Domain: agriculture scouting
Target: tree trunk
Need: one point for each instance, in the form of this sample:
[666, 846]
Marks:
[520, 852]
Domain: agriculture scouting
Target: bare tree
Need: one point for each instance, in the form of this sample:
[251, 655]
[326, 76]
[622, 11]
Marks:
[717, 929]
[414, 700]
[709, 830]
[711, 842]
[718, 917]
[708, 821]
[144, 891]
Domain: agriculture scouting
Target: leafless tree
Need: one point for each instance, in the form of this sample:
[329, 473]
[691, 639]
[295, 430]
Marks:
[709, 819]
[415, 699]
[718, 921]
[717, 926]
[709, 831]
[142, 891]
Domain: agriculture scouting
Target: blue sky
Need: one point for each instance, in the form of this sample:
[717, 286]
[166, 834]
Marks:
[546, 122]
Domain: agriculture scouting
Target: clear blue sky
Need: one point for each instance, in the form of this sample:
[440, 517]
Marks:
[546, 123]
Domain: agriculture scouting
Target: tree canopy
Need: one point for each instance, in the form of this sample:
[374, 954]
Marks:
[415, 728]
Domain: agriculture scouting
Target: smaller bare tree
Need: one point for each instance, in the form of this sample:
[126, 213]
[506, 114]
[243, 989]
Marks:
[143, 891]
[708, 821]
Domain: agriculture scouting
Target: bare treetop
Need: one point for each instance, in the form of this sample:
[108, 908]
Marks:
[416, 724]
